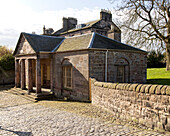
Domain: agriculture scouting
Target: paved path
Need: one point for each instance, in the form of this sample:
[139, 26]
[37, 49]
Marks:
[20, 117]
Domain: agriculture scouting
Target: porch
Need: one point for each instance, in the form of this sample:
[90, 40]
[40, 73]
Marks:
[32, 72]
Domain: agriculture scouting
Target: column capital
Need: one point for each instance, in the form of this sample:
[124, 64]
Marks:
[38, 55]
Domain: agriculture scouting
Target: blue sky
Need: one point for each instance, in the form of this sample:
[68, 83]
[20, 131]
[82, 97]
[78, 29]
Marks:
[30, 15]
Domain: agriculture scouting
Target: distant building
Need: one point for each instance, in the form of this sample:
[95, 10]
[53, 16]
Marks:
[104, 26]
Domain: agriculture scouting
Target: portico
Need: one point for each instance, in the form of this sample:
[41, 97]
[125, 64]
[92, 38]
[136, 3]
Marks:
[33, 71]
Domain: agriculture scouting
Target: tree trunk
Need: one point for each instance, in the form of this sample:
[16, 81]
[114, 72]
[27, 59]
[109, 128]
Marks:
[168, 44]
[167, 56]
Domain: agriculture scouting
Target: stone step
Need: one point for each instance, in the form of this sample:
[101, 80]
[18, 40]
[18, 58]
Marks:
[23, 94]
[32, 96]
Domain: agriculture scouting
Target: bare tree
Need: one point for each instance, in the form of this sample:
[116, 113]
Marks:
[146, 23]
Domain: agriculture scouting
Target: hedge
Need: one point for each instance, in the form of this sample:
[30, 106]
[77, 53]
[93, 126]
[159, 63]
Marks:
[7, 62]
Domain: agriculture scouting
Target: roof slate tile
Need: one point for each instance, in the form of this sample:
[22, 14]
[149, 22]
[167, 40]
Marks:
[42, 42]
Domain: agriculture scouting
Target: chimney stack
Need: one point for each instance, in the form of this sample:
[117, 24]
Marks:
[69, 23]
[105, 15]
[44, 29]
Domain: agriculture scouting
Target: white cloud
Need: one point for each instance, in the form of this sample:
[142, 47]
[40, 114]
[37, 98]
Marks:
[18, 18]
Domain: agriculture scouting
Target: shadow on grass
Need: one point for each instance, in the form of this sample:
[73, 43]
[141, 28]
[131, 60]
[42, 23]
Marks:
[6, 87]
[160, 81]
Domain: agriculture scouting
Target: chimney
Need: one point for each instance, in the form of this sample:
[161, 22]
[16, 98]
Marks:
[44, 29]
[105, 15]
[72, 22]
[65, 23]
[47, 31]
[69, 23]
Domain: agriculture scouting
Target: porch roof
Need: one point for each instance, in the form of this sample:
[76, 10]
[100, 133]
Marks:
[40, 43]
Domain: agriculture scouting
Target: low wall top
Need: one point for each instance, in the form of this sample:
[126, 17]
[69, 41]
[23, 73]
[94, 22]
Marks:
[142, 88]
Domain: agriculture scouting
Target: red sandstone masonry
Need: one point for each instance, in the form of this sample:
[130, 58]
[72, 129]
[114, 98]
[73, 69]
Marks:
[145, 104]
[79, 61]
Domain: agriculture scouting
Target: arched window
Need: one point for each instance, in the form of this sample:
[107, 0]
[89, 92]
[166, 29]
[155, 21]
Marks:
[67, 74]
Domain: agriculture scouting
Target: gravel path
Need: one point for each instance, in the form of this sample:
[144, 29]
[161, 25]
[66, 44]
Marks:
[20, 117]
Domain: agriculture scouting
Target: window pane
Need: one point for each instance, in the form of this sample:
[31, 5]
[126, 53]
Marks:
[67, 79]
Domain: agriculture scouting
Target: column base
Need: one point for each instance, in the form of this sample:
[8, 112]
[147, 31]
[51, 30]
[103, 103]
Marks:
[39, 94]
[24, 88]
[17, 86]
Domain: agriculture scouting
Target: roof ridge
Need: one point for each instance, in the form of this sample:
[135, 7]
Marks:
[91, 23]
[58, 45]
[91, 40]
[47, 36]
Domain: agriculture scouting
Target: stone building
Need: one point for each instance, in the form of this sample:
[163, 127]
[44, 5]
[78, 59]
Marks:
[104, 26]
[65, 64]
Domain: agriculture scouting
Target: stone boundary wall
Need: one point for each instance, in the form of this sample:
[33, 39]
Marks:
[7, 77]
[142, 103]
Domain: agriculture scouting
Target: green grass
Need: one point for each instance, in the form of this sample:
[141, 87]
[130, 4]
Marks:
[158, 76]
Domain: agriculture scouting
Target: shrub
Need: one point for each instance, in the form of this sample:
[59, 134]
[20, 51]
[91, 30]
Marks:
[5, 50]
[155, 59]
[7, 62]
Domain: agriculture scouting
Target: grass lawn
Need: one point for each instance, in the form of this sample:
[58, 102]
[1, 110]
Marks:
[158, 76]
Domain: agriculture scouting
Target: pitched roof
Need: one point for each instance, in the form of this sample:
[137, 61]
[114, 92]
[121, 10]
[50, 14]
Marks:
[88, 25]
[41, 42]
[93, 41]
[103, 42]
[75, 43]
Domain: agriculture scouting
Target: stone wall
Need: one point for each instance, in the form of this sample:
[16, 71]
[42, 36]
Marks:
[135, 65]
[145, 104]
[80, 75]
[7, 77]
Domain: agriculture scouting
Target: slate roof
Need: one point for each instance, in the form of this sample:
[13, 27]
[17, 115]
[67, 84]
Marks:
[103, 42]
[93, 41]
[88, 25]
[43, 43]
[75, 43]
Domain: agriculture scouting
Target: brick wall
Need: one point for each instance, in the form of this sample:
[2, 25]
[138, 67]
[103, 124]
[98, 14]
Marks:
[135, 72]
[145, 104]
[7, 77]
